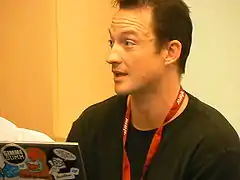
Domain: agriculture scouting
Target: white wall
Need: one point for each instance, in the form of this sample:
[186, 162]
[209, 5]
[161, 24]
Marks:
[213, 68]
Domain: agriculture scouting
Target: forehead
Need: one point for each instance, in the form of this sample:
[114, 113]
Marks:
[134, 21]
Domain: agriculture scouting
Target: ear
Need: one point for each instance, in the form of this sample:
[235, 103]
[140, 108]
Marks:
[173, 52]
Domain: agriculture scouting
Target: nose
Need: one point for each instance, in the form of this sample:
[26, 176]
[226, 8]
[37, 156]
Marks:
[114, 56]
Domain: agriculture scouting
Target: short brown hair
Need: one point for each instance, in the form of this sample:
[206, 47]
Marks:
[171, 21]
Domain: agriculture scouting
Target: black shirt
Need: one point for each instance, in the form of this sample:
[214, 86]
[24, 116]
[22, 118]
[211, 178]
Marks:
[137, 146]
[199, 145]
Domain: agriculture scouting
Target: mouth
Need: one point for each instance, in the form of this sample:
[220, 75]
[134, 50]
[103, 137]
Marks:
[118, 75]
[118, 72]
[33, 166]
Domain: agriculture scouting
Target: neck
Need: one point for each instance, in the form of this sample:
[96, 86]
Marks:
[149, 108]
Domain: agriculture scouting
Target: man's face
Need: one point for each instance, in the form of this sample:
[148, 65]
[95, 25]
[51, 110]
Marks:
[136, 65]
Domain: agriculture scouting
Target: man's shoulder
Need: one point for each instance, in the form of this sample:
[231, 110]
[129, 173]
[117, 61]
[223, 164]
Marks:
[10, 132]
[108, 104]
[30, 135]
[209, 137]
[98, 117]
[206, 114]
[103, 110]
[210, 126]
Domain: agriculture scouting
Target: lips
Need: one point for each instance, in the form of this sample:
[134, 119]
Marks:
[119, 73]
[33, 166]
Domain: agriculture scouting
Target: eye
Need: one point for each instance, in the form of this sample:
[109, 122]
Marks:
[129, 43]
[110, 43]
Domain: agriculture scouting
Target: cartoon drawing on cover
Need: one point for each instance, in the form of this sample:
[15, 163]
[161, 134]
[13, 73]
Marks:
[8, 171]
[12, 159]
[61, 166]
[36, 165]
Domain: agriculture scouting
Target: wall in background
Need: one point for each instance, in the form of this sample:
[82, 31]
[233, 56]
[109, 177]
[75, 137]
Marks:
[51, 66]
[84, 77]
[27, 63]
[213, 66]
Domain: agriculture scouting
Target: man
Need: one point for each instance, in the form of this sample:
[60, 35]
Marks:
[10, 132]
[152, 129]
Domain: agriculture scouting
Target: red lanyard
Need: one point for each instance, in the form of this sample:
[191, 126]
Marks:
[126, 173]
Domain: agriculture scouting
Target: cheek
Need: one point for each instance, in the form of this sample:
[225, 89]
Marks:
[143, 63]
[136, 59]
[148, 70]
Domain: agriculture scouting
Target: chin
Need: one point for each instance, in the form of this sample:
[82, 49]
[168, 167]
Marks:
[129, 89]
[120, 90]
[124, 89]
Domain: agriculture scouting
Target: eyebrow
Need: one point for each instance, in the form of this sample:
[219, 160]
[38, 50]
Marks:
[130, 32]
[126, 32]
[110, 32]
